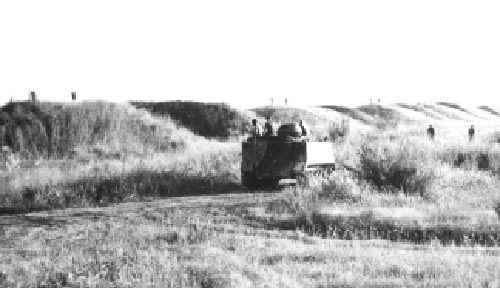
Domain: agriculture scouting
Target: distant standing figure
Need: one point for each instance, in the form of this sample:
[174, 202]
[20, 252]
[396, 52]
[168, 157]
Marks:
[471, 133]
[304, 128]
[33, 96]
[268, 127]
[255, 129]
[431, 132]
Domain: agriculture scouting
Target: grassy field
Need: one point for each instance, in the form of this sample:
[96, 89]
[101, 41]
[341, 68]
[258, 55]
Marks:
[415, 213]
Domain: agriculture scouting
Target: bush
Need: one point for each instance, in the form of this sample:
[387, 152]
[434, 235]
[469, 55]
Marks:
[338, 131]
[482, 158]
[391, 166]
[495, 137]
[483, 162]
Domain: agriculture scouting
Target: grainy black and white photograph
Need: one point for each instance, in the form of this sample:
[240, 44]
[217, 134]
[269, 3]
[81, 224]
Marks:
[219, 144]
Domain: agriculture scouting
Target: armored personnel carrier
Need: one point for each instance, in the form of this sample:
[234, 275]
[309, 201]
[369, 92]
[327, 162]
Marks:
[286, 158]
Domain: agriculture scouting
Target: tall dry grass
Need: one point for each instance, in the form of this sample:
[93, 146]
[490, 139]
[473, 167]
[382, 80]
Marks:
[62, 130]
[407, 187]
[206, 168]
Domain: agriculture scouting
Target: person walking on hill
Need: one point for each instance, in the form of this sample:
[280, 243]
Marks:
[471, 133]
[256, 130]
[268, 127]
[431, 132]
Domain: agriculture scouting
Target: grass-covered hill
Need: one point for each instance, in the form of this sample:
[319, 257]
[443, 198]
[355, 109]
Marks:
[220, 121]
[447, 112]
[212, 120]
[56, 130]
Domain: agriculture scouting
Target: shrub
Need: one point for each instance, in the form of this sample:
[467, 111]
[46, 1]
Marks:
[340, 189]
[495, 137]
[391, 166]
[483, 161]
[338, 131]
[483, 158]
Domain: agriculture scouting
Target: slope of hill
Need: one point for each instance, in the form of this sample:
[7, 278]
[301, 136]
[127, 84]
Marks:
[418, 111]
[351, 112]
[453, 106]
[212, 120]
[444, 111]
[489, 110]
[466, 112]
[377, 115]
[57, 130]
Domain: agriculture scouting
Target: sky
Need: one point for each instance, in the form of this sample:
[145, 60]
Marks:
[246, 52]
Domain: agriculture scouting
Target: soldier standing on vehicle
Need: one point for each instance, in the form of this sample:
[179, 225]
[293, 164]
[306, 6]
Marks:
[304, 128]
[268, 127]
[255, 129]
[471, 133]
[430, 132]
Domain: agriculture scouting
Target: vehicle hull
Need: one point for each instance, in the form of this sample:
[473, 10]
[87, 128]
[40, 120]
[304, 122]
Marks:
[271, 160]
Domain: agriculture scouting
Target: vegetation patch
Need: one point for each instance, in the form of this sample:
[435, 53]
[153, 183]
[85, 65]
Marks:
[320, 213]
[136, 186]
[206, 174]
[50, 130]
[495, 137]
[395, 166]
[472, 158]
